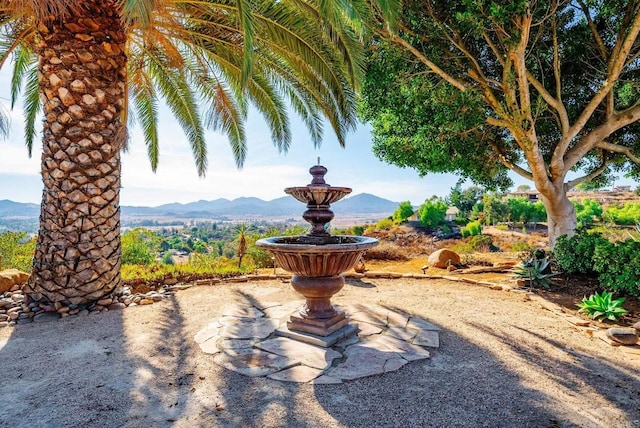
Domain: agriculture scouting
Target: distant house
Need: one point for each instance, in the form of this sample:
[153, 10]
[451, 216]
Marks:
[452, 213]
[622, 189]
[532, 195]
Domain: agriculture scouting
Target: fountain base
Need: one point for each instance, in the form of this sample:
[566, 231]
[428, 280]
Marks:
[320, 327]
[323, 341]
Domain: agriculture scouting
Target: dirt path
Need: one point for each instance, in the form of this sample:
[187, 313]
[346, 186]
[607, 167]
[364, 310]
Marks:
[503, 361]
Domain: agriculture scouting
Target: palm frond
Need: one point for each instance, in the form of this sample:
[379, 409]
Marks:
[5, 123]
[31, 106]
[146, 106]
[138, 12]
[246, 27]
[23, 60]
[179, 97]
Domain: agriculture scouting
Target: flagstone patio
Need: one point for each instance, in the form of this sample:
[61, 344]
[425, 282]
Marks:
[254, 341]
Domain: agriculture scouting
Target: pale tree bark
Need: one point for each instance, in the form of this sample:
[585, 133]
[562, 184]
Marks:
[82, 74]
[561, 214]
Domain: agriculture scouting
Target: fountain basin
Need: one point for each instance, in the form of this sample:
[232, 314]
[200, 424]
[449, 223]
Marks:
[318, 195]
[312, 256]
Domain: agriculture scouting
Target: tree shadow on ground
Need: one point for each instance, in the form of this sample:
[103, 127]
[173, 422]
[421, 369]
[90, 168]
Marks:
[142, 367]
[359, 283]
[98, 371]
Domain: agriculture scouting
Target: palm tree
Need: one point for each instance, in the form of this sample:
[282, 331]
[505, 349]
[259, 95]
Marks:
[241, 238]
[92, 66]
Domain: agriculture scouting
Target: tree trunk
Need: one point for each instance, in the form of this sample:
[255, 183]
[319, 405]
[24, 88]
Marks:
[82, 74]
[561, 214]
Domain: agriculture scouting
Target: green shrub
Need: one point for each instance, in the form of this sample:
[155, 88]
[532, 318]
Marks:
[403, 212]
[167, 258]
[481, 243]
[358, 230]
[603, 306]
[502, 227]
[618, 266]
[432, 213]
[521, 246]
[575, 255]
[16, 251]
[471, 229]
[628, 214]
[384, 224]
[587, 211]
[139, 247]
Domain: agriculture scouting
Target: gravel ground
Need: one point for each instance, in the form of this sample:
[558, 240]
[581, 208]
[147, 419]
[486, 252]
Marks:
[503, 361]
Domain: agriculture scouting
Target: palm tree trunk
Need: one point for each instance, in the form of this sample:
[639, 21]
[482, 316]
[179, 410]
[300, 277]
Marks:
[82, 74]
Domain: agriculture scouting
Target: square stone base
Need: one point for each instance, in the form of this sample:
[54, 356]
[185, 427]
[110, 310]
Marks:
[317, 326]
[313, 339]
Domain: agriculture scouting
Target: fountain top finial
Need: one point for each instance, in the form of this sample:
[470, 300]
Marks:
[318, 172]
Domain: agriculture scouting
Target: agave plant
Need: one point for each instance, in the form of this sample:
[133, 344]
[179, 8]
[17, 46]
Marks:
[536, 271]
[600, 306]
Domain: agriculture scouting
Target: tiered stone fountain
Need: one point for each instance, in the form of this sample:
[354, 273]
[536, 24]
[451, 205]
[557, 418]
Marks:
[317, 261]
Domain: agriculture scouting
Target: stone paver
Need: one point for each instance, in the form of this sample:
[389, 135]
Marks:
[249, 340]
[362, 361]
[408, 351]
[309, 355]
[253, 362]
[300, 374]
[209, 346]
[247, 328]
[211, 330]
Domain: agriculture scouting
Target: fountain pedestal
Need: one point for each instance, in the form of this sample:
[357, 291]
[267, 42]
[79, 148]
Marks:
[317, 261]
[317, 316]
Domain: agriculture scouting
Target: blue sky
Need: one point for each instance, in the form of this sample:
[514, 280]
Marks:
[265, 174]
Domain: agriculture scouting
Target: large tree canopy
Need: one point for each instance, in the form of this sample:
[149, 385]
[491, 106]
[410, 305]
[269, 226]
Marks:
[477, 87]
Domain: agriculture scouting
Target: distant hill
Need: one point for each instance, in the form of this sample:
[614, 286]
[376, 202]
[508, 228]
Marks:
[10, 209]
[363, 203]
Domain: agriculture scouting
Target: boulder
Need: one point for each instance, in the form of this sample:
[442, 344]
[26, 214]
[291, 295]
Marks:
[11, 277]
[637, 327]
[625, 336]
[443, 259]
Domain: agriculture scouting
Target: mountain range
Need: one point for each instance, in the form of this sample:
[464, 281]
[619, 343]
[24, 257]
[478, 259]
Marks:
[363, 203]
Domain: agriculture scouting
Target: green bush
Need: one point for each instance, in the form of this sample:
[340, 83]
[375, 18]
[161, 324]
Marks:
[628, 214]
[471, 229]
[587, 211]
[618, 266]
[16, 251]
[521, 246]
[575, 255]
[384, 224]
[432, 213]
[403, 212]
[481, 243]
[358, 230]
[167, 258]
[139, 247]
